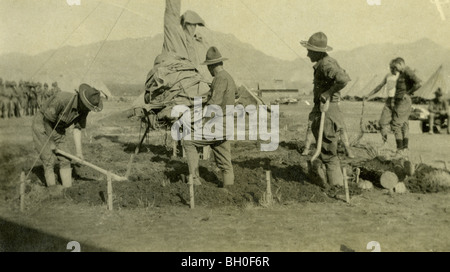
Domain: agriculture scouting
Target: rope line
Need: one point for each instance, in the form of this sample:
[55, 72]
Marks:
[65, 109]
[104, 41]
[63, 42]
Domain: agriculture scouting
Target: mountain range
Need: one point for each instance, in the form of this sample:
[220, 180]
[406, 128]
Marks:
[128, 61]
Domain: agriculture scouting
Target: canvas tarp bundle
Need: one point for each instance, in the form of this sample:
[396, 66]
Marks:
[172, 81]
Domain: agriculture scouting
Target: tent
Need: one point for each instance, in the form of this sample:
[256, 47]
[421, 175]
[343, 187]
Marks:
[440, 79]
[363, 87]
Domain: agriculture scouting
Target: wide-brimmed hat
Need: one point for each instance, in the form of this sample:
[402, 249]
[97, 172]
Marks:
[213, 56]
[439, 92]
[317, 42]
[90, 97]
[191, 17]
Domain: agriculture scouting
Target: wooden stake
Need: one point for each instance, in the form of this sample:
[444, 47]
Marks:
[191, 192]
[421, 159]
[358, 172]
[269, 196]
[446, 165]
[347, 194]
[110, 192]
[184, 153]
[22, 192]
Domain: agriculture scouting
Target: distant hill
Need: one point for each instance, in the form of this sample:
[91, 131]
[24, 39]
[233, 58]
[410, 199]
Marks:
[128, 61]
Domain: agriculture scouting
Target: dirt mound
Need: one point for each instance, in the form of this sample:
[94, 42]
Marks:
[164, 186]
[426, 179]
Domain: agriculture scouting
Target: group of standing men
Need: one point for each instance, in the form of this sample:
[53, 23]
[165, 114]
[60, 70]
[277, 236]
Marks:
[24, 98]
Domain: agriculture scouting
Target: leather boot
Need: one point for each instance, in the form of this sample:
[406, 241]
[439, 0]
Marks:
[317, 174]
[334, 174]
[50, 178]
[405, 143]
[66, 177]
[228, 178]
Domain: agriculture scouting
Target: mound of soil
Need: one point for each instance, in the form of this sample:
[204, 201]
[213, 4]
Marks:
[157, 179]
[426, 179]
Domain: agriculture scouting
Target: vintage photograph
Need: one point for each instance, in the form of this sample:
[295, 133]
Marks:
[231, 126]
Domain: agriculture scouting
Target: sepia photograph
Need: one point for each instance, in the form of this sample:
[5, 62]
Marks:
[242, 127]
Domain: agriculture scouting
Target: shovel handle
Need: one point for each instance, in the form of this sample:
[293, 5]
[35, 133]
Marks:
[83, 162]
[319, 141]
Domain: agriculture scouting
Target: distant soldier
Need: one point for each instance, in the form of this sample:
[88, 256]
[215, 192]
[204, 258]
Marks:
[32, 96]
[49, 128]
[15, 103]
[46, 92]
[39, 94]
[4, 101]
[407, 84]
[439, 112]
[329, 80]
[55, 88]
[389, 82]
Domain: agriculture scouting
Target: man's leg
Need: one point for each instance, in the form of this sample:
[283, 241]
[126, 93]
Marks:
[41, 143]
[385, 122]
[400, 118]
[329, 153]
[192, 160]
[309, 137]
[222, 155]
[346, 142]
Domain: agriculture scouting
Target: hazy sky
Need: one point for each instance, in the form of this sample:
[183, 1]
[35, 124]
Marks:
[273, 26]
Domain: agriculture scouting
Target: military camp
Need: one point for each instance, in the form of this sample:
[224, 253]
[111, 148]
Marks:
[218, 126]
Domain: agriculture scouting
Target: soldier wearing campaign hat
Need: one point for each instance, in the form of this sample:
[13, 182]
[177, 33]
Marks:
[61, 111]
[329, 80]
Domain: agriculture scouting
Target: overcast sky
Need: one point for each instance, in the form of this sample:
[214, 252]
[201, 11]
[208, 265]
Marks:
[272, 26]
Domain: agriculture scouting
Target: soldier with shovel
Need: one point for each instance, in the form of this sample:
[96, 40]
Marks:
[326, 117]
[49, 128]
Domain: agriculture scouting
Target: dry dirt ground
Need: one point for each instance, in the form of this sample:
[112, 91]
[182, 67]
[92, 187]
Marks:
[151, 210]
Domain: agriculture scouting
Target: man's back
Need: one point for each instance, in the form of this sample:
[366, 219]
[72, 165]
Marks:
[223, 90]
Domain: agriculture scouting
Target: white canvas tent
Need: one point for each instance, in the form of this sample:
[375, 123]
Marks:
[440, 79]
[362, 87]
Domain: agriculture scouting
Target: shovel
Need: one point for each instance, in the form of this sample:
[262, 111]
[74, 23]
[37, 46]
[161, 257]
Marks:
[83, 162]
[323, 108]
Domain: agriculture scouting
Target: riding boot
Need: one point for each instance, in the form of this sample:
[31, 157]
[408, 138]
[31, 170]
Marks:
[334, 174]
[50, 178]
[228, 178]
[66, 177]
[317, 174]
